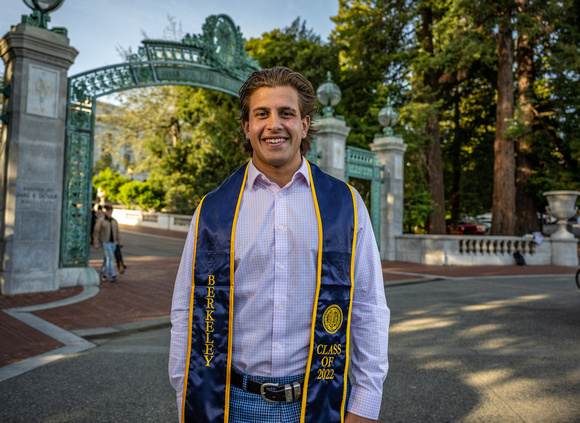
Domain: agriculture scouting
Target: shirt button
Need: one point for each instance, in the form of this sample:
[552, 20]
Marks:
[281, 266]
[278, 346]
[280, 306]
[279, 194]
[281, 227]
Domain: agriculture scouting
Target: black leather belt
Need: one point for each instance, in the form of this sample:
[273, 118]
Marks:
[270, 392]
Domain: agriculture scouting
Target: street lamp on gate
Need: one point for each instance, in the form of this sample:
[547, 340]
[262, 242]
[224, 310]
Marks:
[328, 95]
[388, 117]
[40, 11]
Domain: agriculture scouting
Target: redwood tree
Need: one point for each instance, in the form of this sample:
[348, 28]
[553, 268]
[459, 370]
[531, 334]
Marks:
[526, 203]
[504, 206]
[436, 221]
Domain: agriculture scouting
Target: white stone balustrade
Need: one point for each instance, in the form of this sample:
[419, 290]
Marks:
[465, 250]
[172, 222]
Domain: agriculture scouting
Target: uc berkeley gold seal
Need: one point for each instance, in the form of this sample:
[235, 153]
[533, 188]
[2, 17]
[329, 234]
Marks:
[332, 318]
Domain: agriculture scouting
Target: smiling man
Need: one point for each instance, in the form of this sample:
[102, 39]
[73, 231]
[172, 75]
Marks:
[279, 281]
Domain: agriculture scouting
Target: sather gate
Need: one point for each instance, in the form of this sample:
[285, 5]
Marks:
[46, 140]
[46, 137]
[216, 60]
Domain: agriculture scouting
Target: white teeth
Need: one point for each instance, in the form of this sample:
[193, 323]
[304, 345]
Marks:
[274, 140]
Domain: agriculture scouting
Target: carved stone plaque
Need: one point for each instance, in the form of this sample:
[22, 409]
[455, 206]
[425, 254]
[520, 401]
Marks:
[398, 167]
[42, 98]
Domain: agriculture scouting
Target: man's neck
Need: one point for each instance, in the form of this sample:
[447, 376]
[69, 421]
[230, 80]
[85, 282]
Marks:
[281, 175]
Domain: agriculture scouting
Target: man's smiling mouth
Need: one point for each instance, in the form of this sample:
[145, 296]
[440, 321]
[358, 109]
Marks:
[274, 140]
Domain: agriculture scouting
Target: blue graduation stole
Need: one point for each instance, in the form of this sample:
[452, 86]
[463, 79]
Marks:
[208, 369]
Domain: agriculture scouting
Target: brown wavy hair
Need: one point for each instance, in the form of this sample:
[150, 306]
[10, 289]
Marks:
[279, 77]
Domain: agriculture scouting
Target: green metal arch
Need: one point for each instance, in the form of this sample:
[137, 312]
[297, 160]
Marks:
[215, 60]
[120, 77]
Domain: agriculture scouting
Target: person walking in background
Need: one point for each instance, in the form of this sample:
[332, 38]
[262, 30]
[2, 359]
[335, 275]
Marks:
[106, 234]
[96, 214]
[280, 276]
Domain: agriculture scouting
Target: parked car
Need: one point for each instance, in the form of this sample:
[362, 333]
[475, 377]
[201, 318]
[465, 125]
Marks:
[468, 227]
[546, 218]
[485, 220]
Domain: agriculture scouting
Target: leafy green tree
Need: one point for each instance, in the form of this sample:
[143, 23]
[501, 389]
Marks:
[555, 134]
[205, 152]
[139, 192]
[110, 182]
[297, 48]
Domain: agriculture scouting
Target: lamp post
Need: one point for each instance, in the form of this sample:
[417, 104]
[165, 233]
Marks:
[329, 95]
[40, 11]
[388, 117]
[332, 131]
[390, 150]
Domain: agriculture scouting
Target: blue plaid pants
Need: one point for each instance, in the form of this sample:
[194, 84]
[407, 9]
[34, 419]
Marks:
[246, 407]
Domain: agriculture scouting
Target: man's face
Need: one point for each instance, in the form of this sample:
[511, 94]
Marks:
[276, 130]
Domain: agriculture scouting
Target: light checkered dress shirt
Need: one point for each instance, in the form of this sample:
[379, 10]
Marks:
[275, 253]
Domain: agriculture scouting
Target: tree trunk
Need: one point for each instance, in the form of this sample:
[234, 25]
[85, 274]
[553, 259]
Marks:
[503, 208]
[436, 222]
[526, 202]
[455, 160]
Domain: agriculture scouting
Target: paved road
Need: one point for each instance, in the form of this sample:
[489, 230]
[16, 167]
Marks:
[122, 380]
[484, 350]
[502, 349]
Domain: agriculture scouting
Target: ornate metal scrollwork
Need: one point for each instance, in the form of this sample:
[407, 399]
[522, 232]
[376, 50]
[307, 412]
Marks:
[363, 164]
[216, 59]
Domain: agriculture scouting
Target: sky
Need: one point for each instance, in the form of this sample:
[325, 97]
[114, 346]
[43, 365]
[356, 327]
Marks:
[97, 27]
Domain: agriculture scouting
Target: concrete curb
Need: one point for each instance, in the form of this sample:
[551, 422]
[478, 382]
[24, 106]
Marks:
[424, 278]
[124, 329]
[74, 341]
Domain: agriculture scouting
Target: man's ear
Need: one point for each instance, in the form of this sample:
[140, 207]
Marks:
[305, 126]
[246, 126]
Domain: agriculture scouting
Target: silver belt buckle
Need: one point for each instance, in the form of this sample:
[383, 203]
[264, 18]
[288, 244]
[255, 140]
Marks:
[288, 393]
[297, 390]
[263, 390]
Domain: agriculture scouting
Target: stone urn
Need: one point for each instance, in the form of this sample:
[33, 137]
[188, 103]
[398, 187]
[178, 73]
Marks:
[562, 205]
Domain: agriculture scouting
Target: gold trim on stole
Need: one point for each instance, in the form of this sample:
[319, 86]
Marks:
[318, 282]
[347, 347]
[231, 317]
[190, 320]
[314, 312]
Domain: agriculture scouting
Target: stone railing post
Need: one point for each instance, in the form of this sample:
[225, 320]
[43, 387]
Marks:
[390, 151]
[332, 133]
[32, 157]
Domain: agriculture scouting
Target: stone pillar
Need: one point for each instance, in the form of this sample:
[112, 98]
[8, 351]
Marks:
[562, 205]
[332, 133]
[32, 158]
[390, 151]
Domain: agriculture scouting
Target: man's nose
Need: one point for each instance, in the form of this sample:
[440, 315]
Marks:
[274, 123]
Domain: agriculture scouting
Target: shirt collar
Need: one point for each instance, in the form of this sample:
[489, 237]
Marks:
[254, 174]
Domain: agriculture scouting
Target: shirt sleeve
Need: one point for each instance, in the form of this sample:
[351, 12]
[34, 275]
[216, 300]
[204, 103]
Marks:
[369, 322]
[180, 317]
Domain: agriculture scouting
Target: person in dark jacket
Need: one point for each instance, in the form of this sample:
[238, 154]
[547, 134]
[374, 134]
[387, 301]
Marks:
[106, 234]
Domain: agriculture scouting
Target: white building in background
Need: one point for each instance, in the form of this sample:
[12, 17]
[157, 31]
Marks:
[110, 148]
